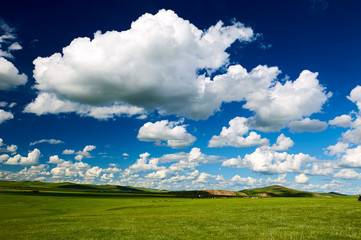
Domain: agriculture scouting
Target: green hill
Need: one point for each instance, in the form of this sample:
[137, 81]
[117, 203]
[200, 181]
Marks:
[68, 186]
[280, 191]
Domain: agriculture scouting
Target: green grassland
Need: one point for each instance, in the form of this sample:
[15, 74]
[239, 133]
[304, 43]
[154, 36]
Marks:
[70, 214]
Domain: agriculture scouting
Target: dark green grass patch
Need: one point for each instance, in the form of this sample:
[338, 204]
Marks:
[27, 215]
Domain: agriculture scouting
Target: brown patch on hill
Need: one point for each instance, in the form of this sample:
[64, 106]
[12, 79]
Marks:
[207, 193]
[264, 195]
[221, 192]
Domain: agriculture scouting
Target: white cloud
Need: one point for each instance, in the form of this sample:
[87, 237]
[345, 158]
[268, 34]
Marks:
[68, 152]
[321, 167]
[238, 180]
[5, 116]
[112, 170]
[55, 159]
[353, 135]
[204, 177]
[234, 162]
[50, 141]
[235, 85]
[15, 46]
[11, 105]
[144, 164]
[277, 106]
[4, 157]
[188, 160]
[89, 148]
[180, 162]
[281, 179]
[106, 176]
[234, 135]
[11, 148]
[283, 143]
[337, 149]
[93, 172]
[153, 65]
[267, 161]
[352, 158]
[32, 159]
[68, 169]
[341, 121]
[355, 96]
[160, 174]
[33, 173]
[7, 39]
[172, 133]
[8, 105]
[85, 153]
[302, 178]
[49, 103]
[347, 174]
[7, 148]
[10, 77]
[307, 125]
[108, 112]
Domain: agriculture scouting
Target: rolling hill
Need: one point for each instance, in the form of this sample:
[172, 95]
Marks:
[280, 191]
[68, 186]
[270, 191]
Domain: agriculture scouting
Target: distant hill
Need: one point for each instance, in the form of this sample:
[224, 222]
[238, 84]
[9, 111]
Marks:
[337, 194]
[270, 191]
[68, 186]
[280, 191]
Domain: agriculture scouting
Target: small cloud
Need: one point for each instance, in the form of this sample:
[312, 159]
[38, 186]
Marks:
[11, 105]
[50, 141]
[141, 117]
[307, 125]
[5, 116]
[166, 133]
[68, 152]
[15, 46]
[302, 178]
[55, 159]
[85, 153]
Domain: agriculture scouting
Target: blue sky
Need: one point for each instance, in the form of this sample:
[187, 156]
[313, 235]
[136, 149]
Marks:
[167, 95]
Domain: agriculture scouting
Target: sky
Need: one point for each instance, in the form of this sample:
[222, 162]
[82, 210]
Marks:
[182, 95]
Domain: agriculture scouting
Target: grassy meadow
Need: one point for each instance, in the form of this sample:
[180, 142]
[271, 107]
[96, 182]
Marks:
[139, 215]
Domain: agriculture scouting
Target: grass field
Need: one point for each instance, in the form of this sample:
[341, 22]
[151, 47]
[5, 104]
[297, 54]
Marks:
[92, 215]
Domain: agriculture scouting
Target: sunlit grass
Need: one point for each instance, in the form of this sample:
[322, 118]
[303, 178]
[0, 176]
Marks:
[105, 216]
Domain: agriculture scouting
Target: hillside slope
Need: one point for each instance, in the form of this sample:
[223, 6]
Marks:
[66, 186]
[280, 191]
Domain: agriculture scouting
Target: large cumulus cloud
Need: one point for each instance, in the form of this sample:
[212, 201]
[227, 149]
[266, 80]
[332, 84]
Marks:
[152, 65]
[155, 65]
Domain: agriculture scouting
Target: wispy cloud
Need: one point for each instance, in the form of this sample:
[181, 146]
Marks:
[50, 141]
